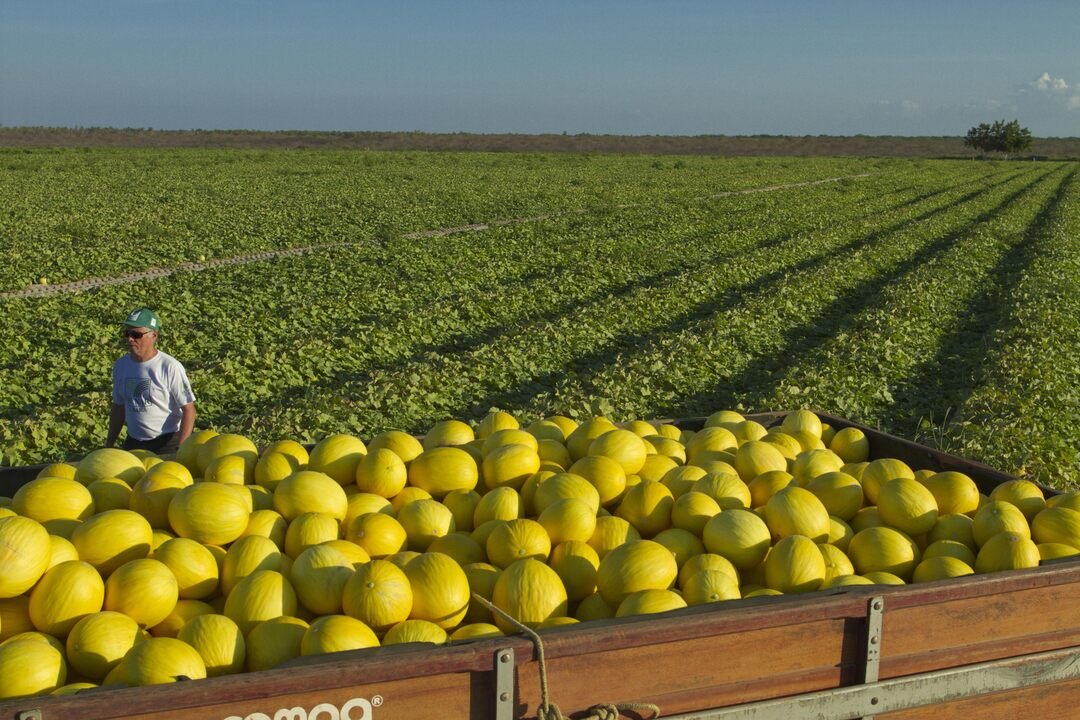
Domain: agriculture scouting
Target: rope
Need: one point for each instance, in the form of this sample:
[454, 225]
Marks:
[549, 710]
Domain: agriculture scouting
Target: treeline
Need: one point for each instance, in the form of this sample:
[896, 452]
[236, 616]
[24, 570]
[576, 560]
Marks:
[729, 145]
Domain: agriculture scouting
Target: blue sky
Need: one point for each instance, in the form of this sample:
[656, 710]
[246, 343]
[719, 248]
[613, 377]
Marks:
[626, 66]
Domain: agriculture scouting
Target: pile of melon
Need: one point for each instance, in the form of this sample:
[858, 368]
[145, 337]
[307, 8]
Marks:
[131, 569]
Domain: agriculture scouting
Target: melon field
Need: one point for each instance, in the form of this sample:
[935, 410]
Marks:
[937, 300]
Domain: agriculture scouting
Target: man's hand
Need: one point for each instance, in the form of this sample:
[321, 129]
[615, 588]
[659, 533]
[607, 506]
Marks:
[187, 423]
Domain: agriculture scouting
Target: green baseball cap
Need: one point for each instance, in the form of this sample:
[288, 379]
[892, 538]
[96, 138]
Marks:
[143, 317]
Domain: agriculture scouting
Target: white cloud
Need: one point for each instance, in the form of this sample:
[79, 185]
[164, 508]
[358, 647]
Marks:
[1058, 90]
[1052, 84]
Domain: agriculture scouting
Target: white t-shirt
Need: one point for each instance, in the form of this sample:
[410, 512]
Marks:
[153, 394]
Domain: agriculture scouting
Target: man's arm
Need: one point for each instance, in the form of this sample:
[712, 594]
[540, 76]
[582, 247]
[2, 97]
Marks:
[116, 423]
[187, 422]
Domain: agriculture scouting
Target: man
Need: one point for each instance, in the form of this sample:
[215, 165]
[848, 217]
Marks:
[151, 392]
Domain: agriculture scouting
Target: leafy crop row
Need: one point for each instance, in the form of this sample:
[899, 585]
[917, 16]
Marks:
[106, 212]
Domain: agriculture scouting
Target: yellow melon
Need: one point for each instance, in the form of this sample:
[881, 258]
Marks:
[851, 444]
[24, 554]
[416, 631]
[311, 491]
[64, 595]
[795, 565]
[162, 660]
[109, 463]
[682, 478]
[97, 643]
[272, 642]
[741, 537]
[509, 466]
[606, 474]
[109, 494]
[337, 457]
[246, 556]
[337, 634]
[194, 567]
[518, 539]
[218, 641]
[940, 567]
[381, 472]
[755, 457]
[319, 575]
[475, 631]
[530, 592]
[575, 563]
[796, 511]
[309, 530]
[30, 668]
[461, 546]
[565, 485]
[693, 510]
[402, 444]
[269, 524]
[950, 548]
[378, 594]
[424, 521]
[188, 452]
[1024, 494]
[210, 513]
[440, 589]
[635, 566]
[954, 527]
[610, 533]
[225, 444]
[145, 590]
[647, 506]
[378, 534]
[546, 430]
[581, 438]
[767, 484]
[880, 471]
[801, 421]
[809, 464]
[462, 505]
[53, 498]
[997, 516]
[954, 492]
[648, 602]
[496, 420]
[448, 432]
[263, 595]
[840, 493]
[907, 505]
[1007, 551]
[623, 446]
[273, 467]
[442, 470]
[708, 586]
[883, 549]
[1057, 525]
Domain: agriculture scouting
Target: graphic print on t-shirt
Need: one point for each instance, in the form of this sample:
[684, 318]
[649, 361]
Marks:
[140, 394]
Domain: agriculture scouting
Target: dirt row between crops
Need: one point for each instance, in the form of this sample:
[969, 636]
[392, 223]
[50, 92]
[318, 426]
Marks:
[157, 273]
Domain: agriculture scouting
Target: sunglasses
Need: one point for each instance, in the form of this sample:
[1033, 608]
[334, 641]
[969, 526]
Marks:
[134, 334]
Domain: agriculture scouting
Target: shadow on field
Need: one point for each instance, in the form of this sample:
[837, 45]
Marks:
[604, 355]
[464, 341]
[756, 382]
[948, 379]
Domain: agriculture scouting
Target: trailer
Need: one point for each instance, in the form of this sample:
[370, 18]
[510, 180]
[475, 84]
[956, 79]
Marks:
[996, 646]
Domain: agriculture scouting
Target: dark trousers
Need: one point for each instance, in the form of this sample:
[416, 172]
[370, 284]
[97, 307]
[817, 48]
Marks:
[164, 444]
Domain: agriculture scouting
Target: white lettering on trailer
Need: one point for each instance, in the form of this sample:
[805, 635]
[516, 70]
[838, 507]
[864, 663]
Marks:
[323, 711]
